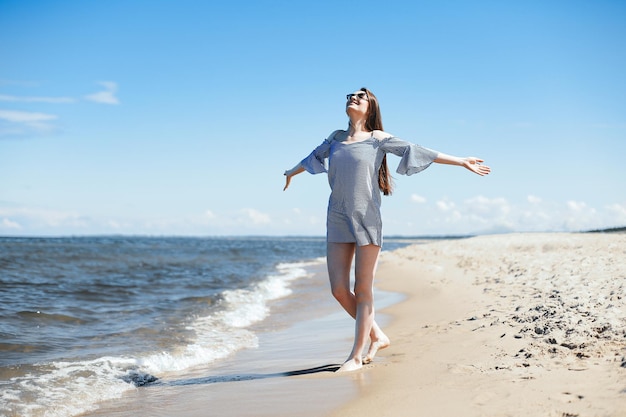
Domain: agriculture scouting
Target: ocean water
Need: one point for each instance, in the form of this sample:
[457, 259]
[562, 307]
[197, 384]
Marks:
[85, 319]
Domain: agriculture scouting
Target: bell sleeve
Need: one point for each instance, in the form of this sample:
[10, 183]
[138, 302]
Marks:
[315, 163]
[414, 158]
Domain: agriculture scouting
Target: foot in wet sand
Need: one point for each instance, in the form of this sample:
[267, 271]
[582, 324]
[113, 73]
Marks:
[375, 347]
[351, 365]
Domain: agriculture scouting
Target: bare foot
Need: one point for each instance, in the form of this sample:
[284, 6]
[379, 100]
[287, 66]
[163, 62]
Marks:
[351, 365]
[375, 347]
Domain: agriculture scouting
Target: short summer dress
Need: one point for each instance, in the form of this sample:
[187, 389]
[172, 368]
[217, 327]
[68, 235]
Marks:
[355, 198]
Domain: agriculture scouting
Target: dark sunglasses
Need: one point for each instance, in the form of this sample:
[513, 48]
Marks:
[361, 96]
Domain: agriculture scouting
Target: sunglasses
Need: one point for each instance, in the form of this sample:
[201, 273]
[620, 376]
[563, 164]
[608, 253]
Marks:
[361, 96]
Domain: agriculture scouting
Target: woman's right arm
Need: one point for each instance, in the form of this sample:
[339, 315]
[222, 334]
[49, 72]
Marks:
[314, 163]
[298, 169]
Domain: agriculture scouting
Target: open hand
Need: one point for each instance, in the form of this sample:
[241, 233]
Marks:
[475, 165]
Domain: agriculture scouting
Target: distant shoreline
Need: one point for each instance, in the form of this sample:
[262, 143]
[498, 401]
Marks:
[621, 229]
[611, 230]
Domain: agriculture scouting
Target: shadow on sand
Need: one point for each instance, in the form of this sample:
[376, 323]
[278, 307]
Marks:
[248, 377]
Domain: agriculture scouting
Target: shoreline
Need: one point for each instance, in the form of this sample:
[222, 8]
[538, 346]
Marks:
[472, 324]
[291, 373]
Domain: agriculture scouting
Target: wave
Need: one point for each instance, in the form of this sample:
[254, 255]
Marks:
[68, 388]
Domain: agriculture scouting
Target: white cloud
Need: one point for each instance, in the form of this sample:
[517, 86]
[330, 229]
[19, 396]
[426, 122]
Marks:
[579, 216]
[107, 96]
[487, 206]
[618, 209]
[25, 123]
[8, 224]
[25, 117]
[115, 225]
[19, 123]
[417, 199]
[576, 205]
[256, 216]
[478, 214]
[37, 218]
[445, 205]
[482, 214]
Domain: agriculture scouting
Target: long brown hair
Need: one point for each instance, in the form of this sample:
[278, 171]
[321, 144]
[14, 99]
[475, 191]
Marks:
[374, 121]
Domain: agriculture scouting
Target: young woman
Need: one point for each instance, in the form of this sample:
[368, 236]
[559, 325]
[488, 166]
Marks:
[357, 173]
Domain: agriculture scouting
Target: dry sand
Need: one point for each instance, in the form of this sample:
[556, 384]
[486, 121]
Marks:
[506, 325]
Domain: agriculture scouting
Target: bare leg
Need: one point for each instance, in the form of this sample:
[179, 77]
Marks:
[360, 304]
[339, 259]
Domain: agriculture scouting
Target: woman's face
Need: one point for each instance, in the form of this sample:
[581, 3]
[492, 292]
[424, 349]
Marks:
[357, 103]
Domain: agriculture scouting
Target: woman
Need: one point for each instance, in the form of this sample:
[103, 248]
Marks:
[357, 173]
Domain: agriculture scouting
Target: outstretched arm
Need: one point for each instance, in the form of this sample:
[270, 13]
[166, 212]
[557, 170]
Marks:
[314, 163]
[471, 163]
[298, 169]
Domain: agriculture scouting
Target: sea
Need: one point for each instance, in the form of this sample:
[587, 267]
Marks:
[86, 319]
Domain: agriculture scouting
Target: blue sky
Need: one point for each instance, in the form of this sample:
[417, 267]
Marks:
[180, 117]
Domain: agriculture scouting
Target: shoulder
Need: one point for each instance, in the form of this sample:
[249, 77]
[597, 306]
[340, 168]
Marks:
[381, 135]
[336, 135]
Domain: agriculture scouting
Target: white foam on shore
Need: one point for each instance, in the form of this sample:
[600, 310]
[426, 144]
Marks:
[225, 332]
[71, 388]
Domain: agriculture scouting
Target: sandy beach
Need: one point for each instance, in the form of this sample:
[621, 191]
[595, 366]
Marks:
[507, 325]
[503, 325]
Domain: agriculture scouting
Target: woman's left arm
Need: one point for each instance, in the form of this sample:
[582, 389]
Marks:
[472, 163]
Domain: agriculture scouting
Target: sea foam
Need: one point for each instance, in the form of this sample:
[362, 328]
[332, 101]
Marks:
[69, 388]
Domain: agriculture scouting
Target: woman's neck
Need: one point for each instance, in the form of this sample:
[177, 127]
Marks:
[356, 126]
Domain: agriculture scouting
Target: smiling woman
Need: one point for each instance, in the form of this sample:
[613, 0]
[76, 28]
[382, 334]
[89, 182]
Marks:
[358, 174]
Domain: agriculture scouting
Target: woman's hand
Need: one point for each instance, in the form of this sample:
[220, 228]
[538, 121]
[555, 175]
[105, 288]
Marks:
[288, 178]
[290, 173]
[475, 165]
